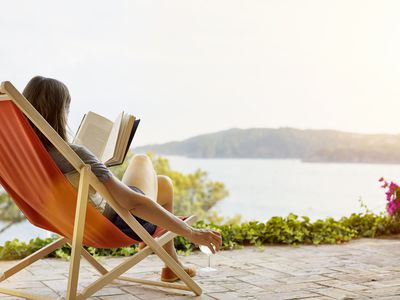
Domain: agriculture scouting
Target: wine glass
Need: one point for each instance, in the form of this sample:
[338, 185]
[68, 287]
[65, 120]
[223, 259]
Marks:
[208, 252]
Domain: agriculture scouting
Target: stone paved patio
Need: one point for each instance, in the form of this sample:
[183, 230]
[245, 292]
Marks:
[361, 269]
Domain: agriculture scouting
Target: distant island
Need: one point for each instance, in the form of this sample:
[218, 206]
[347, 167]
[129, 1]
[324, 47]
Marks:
[286, 143]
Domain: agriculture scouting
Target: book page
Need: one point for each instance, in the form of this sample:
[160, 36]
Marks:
[93, 133]
[125, 137]
[113, 139]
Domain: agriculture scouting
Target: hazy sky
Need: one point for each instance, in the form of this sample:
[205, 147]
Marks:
[190, 67]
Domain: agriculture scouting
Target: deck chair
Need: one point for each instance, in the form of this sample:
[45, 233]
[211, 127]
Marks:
[48, 200]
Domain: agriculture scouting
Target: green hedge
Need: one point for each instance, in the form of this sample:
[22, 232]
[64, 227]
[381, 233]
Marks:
[277, 230]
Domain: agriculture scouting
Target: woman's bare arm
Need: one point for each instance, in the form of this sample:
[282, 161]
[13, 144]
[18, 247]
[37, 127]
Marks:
[149, 210]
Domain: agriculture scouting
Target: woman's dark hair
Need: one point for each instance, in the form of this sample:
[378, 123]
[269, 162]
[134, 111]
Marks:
[51, 99]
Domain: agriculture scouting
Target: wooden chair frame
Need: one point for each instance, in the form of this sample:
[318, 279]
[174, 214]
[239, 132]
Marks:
[87, 178]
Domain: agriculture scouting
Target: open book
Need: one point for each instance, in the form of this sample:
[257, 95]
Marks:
[108, 140]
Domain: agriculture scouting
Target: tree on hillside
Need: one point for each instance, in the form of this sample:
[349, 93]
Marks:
[9, 212]
[194, 193]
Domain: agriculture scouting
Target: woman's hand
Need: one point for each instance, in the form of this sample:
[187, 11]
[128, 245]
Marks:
[210, 238]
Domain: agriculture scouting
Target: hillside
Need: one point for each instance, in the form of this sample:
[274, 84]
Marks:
[307, 145]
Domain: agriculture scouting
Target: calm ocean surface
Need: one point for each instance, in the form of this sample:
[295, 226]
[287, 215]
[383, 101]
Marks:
[262, 188]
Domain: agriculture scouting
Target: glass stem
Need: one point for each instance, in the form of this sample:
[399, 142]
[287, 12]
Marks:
[209, 261]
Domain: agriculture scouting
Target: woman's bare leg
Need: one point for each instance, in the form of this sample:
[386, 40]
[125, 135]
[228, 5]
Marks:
[165, 197]
[141, 173]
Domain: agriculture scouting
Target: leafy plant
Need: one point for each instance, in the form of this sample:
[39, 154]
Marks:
[291, 230]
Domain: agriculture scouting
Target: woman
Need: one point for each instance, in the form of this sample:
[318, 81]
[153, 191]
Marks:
[148, 196]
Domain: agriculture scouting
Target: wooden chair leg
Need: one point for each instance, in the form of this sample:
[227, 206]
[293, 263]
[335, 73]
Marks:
[79, 226]
[113, 274]
[132, 261]
[93, 262]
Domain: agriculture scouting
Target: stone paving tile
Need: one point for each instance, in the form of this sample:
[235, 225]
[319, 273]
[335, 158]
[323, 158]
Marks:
[281, 288]
[381, 292]
[120, 297]
[308, 270]
[226, 296]
[337, 293]
[361, 269]
[257, 280]
[151, 293]
[43, 291]
[348, 286]
[243, 288]
[213, 288]
[287, 295]
[302, 279]
[109, 291]
[24, 284]
[383, 283]
[318, 298]
[266, 273]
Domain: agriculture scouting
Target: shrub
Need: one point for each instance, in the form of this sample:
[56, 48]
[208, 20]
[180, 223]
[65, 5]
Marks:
[291, 230]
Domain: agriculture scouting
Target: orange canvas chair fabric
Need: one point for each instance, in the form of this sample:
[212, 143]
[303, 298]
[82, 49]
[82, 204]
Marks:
[40, 190]
[49, 201]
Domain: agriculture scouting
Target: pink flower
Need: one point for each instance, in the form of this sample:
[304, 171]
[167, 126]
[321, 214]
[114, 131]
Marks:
[393, 187]
[392, 207]
[385, 184]
[390, 210]
[388, 195]
[392, 197]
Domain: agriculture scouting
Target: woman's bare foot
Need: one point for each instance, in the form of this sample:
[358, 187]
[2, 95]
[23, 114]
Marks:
[168, 275]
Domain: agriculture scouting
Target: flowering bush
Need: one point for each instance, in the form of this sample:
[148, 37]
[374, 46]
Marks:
[392, 197]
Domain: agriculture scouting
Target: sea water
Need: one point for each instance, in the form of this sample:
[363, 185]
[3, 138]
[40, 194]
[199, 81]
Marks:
[262, 188]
